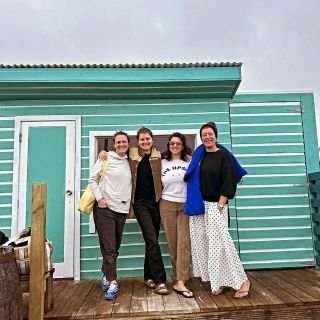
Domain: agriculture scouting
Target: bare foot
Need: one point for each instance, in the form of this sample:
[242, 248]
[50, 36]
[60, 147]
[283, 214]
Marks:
[243, 291]
[218, 291]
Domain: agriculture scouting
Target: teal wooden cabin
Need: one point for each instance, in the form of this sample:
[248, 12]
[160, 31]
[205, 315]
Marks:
[55, 119]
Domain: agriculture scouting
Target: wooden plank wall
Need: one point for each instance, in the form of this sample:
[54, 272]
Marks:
[166, 115]
[266, 133]
[169, 115]
[273, 206]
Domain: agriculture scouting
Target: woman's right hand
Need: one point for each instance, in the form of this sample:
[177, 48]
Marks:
[103, 155]
[102, 203]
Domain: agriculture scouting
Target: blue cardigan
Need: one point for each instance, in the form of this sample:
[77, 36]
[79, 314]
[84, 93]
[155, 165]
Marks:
[194, 204]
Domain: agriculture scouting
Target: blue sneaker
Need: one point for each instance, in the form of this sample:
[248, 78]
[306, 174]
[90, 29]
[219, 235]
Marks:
[112, 291]
[105, 284]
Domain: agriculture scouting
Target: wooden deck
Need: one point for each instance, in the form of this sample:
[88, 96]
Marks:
[275, 294]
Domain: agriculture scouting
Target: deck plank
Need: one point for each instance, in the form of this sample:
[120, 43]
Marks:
[188, 305]
[202, 296]
[306, 298]
[105, 307]
[74, 295]
[72, 306]
[275, 294]
[222, 301]
[89, 306]
[311, 287]
[273, 286]
[62, 296]
[123, 301]
[172, 303]
[261, 287]
[139, 302]
[308, 275]
[239, 304]
[155, 303]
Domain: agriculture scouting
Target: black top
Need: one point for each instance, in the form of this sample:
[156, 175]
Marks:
[144, 184]
[217, 176]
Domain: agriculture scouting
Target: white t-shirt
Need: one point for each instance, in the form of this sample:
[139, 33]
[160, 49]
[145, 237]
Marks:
[172, 173]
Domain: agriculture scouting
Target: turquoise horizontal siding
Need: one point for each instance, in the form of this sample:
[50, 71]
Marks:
[172, 117]
[271, 211]
[272, 202]
[251, 138]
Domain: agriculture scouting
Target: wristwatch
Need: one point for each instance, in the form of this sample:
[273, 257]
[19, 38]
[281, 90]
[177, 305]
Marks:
[220, 206]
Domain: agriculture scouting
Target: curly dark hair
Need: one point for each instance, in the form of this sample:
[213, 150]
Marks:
[185, 148]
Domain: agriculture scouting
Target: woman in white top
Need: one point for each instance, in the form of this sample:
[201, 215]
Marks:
[175, 222]
[113, 197]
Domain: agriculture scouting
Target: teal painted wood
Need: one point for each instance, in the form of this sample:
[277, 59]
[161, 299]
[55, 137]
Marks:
[5, 199]
[309, 127]
[42, 156]
[89, 107]
[6, 166]
[5, 209]
[283, 244]
[6, 145]
[6, 123]
[266, 119]
[272, 148]
[314, 176]
[5, 222]
[130, 75]
[293, 168]
[6, 188]
[121, 83]
[273, 108]
[275, 138]
[273, 206]
[272, 210]
[133, 243]
[315, 202]
[278, 189]
[190, 114]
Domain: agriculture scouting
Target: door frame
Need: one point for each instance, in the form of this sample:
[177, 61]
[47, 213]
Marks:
[16, 175]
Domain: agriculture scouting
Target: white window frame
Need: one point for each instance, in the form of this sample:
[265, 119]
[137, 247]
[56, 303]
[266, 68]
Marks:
[93, 135]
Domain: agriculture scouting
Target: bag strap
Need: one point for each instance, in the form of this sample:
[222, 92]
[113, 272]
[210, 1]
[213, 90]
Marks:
[105, 164]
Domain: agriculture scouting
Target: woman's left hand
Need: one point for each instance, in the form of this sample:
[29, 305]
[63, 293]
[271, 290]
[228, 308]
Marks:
[220, 207]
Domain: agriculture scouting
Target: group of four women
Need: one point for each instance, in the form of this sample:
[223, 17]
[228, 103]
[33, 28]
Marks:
[170, 189]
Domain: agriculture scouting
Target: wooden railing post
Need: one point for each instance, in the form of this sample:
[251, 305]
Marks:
[37, 256]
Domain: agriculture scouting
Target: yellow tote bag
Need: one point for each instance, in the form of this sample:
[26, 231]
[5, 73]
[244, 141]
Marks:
[87, 199]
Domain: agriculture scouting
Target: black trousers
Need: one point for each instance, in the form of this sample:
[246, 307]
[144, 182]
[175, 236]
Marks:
[109, 225]
[148, 217]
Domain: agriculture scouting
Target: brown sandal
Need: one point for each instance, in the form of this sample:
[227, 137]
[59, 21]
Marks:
[161, 289]
[150, 284]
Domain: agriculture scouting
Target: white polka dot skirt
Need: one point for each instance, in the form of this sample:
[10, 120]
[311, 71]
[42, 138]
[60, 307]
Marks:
[214, 256]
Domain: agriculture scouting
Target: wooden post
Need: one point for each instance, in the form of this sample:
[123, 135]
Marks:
[38, 227]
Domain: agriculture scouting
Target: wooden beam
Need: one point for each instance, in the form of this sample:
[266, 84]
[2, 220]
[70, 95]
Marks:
[37, 254]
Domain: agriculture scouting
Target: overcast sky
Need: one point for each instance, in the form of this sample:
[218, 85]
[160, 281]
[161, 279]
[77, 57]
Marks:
[278, 41]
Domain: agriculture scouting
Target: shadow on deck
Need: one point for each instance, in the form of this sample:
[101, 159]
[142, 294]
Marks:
[275, 294]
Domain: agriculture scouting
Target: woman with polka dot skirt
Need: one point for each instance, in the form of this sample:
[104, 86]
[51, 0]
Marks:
[214, 256]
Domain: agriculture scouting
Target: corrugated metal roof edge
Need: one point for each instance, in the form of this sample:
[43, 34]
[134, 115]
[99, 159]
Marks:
[126, 65]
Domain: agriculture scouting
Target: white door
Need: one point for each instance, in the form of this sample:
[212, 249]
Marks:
[48, 154]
